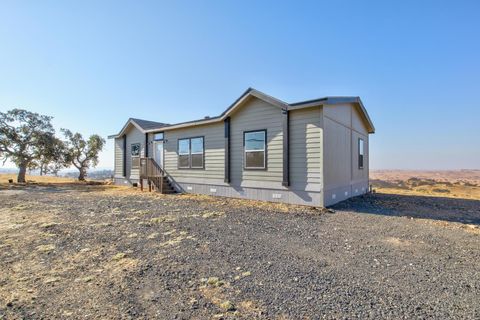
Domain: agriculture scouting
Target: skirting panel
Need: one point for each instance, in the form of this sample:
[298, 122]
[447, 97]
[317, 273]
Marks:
[335, 195]
[124, 181]
[285, 196]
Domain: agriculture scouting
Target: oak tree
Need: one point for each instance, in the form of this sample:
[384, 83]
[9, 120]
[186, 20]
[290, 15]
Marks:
[23, 134]
[81, 153]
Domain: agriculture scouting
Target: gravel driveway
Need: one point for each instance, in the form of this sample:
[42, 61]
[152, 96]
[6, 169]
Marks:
[102, 252]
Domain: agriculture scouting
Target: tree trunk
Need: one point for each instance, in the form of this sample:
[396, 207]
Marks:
[41, 170]
[83, 174]
[21, 173]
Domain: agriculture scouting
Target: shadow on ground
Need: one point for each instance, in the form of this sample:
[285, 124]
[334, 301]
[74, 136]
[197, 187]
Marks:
[424, 207]
[56, 187]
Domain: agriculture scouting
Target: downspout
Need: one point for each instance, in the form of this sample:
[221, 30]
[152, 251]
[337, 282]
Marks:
[286, 151]
[125, 155]
[146, 145]
[227, 149]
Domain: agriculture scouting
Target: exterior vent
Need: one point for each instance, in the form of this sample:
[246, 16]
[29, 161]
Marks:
[190, 188]
[213, 190]
[334, 196]
[346, 193]
[207, 117]
[276, 196]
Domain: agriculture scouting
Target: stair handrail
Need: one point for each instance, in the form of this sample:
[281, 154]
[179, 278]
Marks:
[150, 168]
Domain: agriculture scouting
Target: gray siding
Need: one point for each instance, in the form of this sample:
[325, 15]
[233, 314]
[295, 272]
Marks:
[118, 160]
[134, 136]
[342, 178]
[306, 149]
[257, 114]
[214, 154]
[323, 155]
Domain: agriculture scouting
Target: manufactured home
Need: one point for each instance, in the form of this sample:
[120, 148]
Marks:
[313, 152]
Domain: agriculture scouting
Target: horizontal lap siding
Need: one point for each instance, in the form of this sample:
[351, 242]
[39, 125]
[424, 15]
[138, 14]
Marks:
[257, 115]
[134, 136]
[214, 153]
[306, 149]
[118, 157]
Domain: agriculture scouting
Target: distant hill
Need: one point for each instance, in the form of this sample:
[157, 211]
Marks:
[464, 175]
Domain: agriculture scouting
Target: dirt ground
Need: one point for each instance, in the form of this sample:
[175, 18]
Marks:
[70, 251]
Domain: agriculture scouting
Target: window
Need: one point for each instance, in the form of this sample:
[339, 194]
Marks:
[184, 153]
[135, 149]
[361, 153]
[191, 153]
[254, 144]
[135, 153]
[158, 136]
[196, 151]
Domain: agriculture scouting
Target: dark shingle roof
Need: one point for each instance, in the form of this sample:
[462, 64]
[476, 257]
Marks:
[147, 125]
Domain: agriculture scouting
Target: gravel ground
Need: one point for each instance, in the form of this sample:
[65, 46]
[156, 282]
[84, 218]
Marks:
[101, 252]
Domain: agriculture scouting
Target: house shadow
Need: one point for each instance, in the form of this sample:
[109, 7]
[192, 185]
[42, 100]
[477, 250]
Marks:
[465, 211]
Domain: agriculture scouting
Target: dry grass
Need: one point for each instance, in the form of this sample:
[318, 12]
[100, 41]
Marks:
[36, 179]
[435, 190]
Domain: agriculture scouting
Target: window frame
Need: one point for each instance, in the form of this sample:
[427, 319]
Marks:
[157, 133]
[137, 156]
[361, 163]
[190, 167]
[264, 168]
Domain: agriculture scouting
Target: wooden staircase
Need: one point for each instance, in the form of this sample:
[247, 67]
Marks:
[156, 177]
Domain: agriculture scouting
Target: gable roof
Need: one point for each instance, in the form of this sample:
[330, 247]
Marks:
[338, 100]
[151, 126]
[147, 125]
[142, 125]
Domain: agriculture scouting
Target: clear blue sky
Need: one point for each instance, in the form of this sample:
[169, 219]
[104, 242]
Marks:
[94, 64]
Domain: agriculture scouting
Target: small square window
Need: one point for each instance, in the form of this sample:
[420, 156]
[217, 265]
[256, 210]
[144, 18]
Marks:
[158, 136]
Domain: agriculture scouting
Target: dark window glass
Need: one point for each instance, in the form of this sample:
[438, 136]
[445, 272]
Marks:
[255, 159]
[135, 149]
[197, 160]
[184, 161]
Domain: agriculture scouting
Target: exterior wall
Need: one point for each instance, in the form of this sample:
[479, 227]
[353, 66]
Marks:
[306, 140]
[133, 135]
[257, 114]
[323, 145]
[342, 177]
[118, 160]
[263, 194]
[306, 164]
[214, 148]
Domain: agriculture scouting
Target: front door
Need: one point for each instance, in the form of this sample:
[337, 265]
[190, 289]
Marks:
[158, 152]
